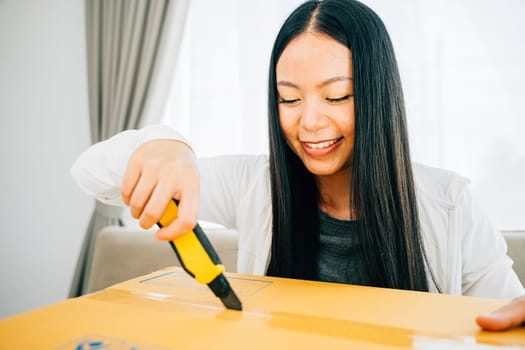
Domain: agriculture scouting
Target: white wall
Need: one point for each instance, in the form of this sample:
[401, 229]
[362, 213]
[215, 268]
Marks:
[43, 127]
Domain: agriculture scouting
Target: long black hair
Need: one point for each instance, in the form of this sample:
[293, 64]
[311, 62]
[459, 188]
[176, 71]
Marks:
[382, 185]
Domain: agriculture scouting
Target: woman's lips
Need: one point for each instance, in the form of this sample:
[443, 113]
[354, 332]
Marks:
[322, 148]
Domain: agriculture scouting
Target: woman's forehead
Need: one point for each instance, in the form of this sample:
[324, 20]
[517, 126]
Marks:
[314, 55]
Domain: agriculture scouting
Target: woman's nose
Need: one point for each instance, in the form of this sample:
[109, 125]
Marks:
[312, 116]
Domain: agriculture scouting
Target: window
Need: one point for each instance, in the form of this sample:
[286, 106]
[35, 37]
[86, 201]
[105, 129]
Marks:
[462, 64]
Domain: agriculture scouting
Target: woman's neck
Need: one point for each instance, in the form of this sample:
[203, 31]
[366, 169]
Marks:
[334, 191]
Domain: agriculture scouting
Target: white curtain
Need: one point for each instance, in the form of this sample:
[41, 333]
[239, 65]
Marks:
[463, 67]
[462, 64]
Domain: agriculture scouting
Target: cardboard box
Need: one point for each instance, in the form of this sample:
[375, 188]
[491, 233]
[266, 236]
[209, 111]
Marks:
[169, 310]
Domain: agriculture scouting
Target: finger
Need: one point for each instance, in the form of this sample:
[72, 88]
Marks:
[129, 181]
[177, 228]
[187, 217]
[493, 323]
[156, 205]
[508, 316]
[142, 192]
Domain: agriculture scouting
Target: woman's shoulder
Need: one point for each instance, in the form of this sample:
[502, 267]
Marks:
[437, 184]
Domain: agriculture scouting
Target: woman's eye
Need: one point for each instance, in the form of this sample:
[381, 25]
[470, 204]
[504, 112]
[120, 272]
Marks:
[338, 99]
[291, 101]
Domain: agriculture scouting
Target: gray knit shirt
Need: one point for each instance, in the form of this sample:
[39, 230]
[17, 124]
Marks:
[340, 259]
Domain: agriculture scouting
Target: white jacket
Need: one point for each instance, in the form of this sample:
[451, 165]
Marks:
[466, 254]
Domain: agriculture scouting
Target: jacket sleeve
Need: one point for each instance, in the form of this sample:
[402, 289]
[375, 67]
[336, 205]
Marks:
[486, 268]
[99, 170]
[233, 188]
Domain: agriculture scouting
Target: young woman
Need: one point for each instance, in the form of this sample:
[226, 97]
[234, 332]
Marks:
[338, 199]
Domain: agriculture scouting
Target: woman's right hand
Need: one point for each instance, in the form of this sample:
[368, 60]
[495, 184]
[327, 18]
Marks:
[156, 172]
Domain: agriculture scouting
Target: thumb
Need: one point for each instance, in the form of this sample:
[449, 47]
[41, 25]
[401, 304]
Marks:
[506, 317]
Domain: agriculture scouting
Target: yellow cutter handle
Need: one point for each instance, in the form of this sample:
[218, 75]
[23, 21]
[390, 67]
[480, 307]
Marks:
[195, 252]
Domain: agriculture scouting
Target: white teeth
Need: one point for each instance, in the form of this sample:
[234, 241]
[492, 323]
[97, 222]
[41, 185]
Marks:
[321, 144]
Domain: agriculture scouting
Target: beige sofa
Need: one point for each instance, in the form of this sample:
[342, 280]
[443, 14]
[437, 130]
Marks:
[516, 250]
[122, 253]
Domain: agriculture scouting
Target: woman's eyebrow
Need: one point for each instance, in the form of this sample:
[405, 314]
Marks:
[320, 85]
[287, 83]
[334, 79]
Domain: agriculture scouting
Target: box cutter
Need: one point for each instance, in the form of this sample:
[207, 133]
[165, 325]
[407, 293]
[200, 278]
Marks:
[199, 259]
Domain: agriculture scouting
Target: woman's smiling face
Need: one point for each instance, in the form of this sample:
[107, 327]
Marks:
[316, 104]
